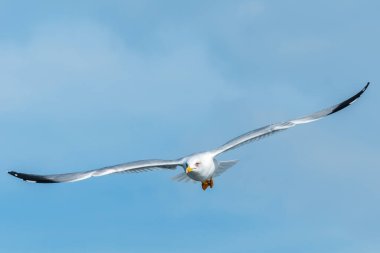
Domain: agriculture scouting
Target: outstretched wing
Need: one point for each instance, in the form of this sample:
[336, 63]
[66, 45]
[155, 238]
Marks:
[270, 129]
[223, 166]
[183, 177]
[137, 166]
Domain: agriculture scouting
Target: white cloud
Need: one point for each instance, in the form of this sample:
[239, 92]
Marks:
[89, 64]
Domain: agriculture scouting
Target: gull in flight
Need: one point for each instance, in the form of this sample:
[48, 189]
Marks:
[202, 166]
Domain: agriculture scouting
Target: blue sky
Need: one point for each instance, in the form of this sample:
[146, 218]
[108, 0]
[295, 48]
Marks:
[86, 84]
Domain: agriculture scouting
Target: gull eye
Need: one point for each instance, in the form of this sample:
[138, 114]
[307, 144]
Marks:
[197, 164]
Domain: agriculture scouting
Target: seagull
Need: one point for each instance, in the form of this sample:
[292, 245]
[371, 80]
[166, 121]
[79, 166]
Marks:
[201, 166]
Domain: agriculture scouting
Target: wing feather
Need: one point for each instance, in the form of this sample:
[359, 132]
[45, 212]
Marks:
[182, 177]
[273, 128]
[138, 166]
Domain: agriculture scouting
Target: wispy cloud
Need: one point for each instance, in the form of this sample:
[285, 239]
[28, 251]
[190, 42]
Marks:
[91, 65]
[90, 84]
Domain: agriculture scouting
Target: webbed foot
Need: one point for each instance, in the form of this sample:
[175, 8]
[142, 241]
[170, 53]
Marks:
[207, 183]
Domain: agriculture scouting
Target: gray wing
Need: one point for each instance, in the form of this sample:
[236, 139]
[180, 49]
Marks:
[137, 166]
[183, 177]
[271, 129]
[223, 166]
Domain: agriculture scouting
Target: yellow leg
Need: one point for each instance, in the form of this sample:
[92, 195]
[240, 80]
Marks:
[204, 185]
[207, 183]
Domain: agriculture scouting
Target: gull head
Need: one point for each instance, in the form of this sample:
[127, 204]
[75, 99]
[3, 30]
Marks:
[198, 163]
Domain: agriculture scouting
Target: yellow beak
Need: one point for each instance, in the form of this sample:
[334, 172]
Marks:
[188, 169]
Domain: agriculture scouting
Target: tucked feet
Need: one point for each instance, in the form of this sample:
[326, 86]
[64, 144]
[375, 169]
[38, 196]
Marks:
[207, 183]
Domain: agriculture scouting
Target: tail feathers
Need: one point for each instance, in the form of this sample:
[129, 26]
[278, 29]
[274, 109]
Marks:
[182, 177]
[223, 166]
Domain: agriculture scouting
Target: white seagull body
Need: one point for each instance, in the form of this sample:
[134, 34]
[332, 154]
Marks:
[201, 166]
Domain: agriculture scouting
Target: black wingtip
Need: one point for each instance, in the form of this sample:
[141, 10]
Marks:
[13, 173]
[365, 87]
[32, 178]
[16, 174]
[349, 101]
